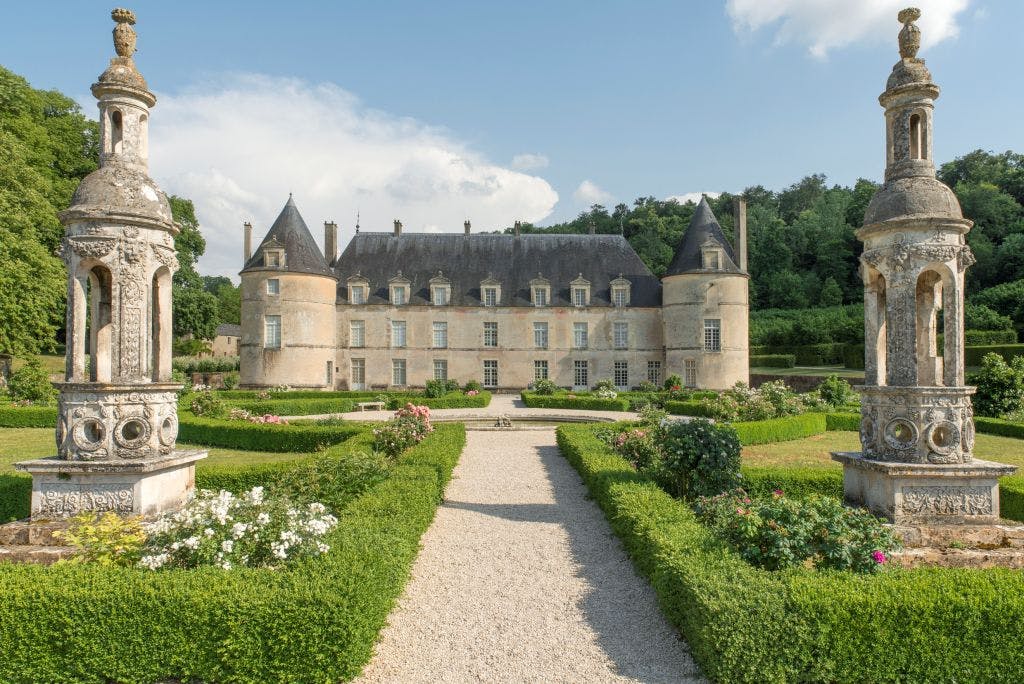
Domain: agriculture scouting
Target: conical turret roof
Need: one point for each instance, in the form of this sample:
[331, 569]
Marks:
[302, 255]
[703, 228]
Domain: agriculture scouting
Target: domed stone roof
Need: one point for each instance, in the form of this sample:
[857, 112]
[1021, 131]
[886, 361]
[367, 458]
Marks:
[916, 196]
[120, 189]
[908, 71]
[122, 71]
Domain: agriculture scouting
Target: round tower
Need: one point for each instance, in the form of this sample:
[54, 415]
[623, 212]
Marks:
[289, 297]
[705, 305]
[917, 431]
[117, 407]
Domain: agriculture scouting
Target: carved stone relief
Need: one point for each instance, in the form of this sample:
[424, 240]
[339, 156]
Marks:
[100, 498]
[947, 500]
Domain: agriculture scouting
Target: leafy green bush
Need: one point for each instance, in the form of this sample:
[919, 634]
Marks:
[333, 480]
[747, 625]
[973, 355]
[105, 539]
[544, 387]
[975, 338]
[409, 426]
[32, 383]
[205, 364]
[439, 388]
[572, 401]
[28, 416]
[690, 407]
[794, 481]
[673, 382]
[835, 391]
[472, 385]
[315, 622]
[780, 531]
[740, 402]
[236, 434]
[853, 357]
[700, 458]
[981, 317]
[207, 404]
[798, 327]
[1000, 386]
[772, 360]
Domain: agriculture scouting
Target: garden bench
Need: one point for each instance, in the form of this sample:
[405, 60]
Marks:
[375, 405]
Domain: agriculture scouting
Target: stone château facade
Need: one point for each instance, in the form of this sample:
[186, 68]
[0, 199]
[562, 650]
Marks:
[396, 309]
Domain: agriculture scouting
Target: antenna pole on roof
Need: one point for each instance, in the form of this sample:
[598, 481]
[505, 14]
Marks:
[357, 221]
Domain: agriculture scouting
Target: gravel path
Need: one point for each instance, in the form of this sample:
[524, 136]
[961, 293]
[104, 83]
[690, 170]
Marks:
[520, 579]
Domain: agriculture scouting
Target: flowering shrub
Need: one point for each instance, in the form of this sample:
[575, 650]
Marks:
[281, 388]
[771, 400]
[472, 393]
[544, 386]
[224, 530]
[638, 447]
[106, 539]
[700, 458]
[206, 403]
[409, 426]
[263, 395]
[605, 393]
[781, 532]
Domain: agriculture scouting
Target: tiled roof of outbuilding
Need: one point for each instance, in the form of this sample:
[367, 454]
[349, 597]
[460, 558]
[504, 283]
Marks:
[302, 255]
[513, 261]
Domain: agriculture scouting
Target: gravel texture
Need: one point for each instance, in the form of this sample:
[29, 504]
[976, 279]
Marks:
[520, 579]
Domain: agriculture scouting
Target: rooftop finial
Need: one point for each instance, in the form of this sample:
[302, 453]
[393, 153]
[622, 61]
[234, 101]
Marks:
[124, 34]
[910, 36]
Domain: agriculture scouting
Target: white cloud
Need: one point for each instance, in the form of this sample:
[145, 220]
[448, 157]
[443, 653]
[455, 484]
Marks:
[589, 193]
[692, 196]
[529, 162]
[827, 24]
[237, 146]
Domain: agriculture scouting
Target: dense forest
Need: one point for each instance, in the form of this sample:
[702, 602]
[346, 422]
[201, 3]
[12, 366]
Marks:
[802, 248]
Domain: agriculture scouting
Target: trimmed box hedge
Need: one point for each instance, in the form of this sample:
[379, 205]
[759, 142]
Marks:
[783, 429]
[974, 354]
[842, 422]
[293, 407]
[316, 622]
[688, 407]
[563, 401]
[28, 416]
[997, 426]
[772, 360]
[241, 434]
[749, 625]
[448, 401]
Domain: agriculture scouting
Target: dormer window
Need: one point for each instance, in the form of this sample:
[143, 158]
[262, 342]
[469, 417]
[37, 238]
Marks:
[273, 258]
[620, 288]
[540, 291]
[398, 289]
[711, 256]
[490, 292]
[358, 289]
[580, 291]
[440, 290]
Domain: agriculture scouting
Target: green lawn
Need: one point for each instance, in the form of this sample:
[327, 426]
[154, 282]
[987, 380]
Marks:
[22, 444]
[813, 452]
[823, 371]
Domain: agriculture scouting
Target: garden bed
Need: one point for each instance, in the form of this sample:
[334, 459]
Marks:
[745, 624]
[315, 622]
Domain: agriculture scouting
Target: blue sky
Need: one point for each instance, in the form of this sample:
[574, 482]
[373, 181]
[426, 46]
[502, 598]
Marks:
[435, 112]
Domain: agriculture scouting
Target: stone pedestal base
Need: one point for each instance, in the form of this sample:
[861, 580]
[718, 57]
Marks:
[148, 488]
[924, 492]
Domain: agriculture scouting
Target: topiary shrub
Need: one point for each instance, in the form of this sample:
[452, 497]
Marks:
[32, 383]
[1000, 386]
[701, 458]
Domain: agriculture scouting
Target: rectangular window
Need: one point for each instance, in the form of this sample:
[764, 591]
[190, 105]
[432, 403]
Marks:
[579, 335]
[440, 334]
[620, 296]
[272, 332]
[398, 371]
[273, 286]
[654, 372]
[621, 374]
[580, 374]
[273, 259]
[490, 296]
[358, 374]
[712, 334]
[398, 334]
[540, 296]
[540, 370]
[491, 334]
[579, 296]
[490, 373]
[439, 295]
[540, 335]
[398, 296]
[358, 294]
[357, 334]
[621, 335]
[440, 369]
[690, 372]
[711, 260]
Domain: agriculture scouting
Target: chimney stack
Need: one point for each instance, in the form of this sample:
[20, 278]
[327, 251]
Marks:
[330, 242]
[246, 242]
[466, 226]
[517, 228]
[739, 214]
[398, 227]
[593, 228]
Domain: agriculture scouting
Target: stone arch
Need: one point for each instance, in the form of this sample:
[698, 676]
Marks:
[99, 326]
[160, 320]
[934, 288]
[875, 331]
[116, 131]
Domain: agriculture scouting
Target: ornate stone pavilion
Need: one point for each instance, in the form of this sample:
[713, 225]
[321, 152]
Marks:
[117, 420]
[917, 430]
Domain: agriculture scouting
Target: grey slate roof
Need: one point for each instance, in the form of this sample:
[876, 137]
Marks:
[513, 261]
[302, 255]
[229, 330]
[703, 227]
